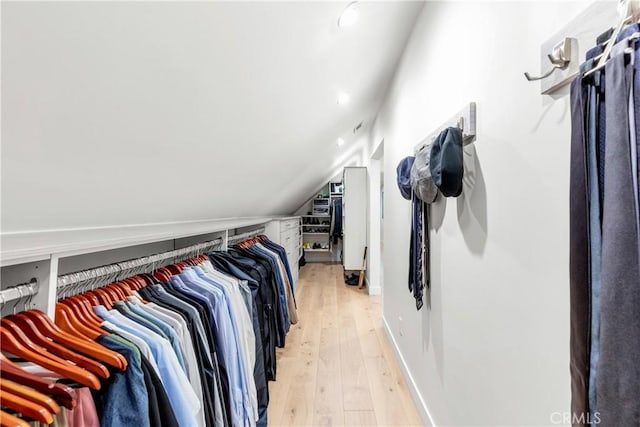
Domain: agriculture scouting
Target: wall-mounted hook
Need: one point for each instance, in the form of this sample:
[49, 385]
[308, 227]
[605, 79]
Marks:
[560, 57]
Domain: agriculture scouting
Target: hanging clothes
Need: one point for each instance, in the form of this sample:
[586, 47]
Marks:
[605, 224]
[191, 345]
[336, 220]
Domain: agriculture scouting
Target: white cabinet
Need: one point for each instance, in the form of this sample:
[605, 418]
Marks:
[354, 216]
[286, 232]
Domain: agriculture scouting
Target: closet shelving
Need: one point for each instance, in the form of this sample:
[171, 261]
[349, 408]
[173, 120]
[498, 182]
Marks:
[316, 228]
[37, 258]
[320, 208]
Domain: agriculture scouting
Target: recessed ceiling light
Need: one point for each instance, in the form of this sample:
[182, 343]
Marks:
[343, 98]
[349, 15]
[340, 142]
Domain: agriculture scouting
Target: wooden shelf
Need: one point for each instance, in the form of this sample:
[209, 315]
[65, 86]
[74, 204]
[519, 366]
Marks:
[323, 234]
[317, 250]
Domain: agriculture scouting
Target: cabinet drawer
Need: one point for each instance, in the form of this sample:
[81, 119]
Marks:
[287, 239]
[289, 235]
[289, 224]
[291, 248]
[291, 256]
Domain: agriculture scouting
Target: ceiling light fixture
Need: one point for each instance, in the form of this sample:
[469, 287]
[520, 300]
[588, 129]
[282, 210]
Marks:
[349, 15]
[343, 98]
[340, 142]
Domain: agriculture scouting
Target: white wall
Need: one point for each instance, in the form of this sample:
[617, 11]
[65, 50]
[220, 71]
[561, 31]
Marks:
[491, 345]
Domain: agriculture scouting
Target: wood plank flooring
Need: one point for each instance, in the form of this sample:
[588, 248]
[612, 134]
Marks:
[338, 368]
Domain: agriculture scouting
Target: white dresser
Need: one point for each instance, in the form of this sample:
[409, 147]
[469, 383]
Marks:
[286, 232]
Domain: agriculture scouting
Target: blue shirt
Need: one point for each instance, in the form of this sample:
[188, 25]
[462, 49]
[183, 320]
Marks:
[124, 398]
[242, 324]
[166, 330]
[282, 293]
[184, 401]
[226, 342]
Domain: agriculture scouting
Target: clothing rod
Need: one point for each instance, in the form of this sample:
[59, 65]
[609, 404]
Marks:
[19, 292]
[247, 235]
[119, 271]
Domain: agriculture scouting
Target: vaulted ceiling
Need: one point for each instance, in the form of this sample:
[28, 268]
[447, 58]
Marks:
[134, 112]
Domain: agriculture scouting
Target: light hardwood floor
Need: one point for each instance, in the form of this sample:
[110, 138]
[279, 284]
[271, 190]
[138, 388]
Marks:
[338, 368]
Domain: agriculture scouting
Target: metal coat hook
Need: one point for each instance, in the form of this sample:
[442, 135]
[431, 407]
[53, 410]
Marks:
[560, 59]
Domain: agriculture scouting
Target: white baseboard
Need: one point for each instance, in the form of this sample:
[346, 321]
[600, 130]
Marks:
[374, 291]
[423, 410]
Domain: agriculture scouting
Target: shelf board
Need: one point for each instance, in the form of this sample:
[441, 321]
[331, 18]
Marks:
[314, 216]
[324, 234]
[31, 246]
[317, 250]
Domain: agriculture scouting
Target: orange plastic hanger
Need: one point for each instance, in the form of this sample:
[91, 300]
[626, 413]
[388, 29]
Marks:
[65, 319]
[25, 407]
[93, 300]
[8, 420]
[30, 394]
[80, 375]
[28, 343]
[112, 293]
[80, 344]
[103, 297]
[63, 394]
[163, 275]
[119, 290]
[32, 332]
[139, 282]
[81, 311]
[149, 279]
[82, 316]
[132, 283]
[86, 303]
[174, 269]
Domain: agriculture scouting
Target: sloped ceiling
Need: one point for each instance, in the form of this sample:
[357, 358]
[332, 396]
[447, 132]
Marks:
[134, 112]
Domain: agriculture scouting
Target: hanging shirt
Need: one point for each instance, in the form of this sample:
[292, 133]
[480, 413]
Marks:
[229, 345]
[182, 335]
[170, 327]
[241, 321]
[183, 399]
[166, 329]
[140, 343]
[277, 276]
[123, 398]
[252, 285]
[215, 388]
[288, 286]
[232, 288]
[160, 412]
[283, 257]
[152, 324]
